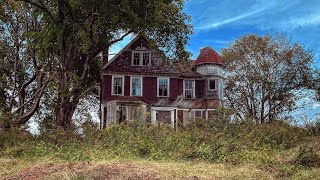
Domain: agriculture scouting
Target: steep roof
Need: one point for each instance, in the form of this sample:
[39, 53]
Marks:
[208, 55]
[122, 62]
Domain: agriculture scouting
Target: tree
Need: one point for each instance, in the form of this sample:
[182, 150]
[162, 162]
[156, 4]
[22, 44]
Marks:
[266, 72]
[23, 80]
[75, 33]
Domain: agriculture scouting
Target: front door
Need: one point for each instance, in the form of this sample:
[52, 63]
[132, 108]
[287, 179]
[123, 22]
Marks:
[122, 113]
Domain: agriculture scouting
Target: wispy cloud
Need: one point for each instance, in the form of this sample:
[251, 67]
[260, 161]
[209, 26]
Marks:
[307, 20]
[230, 20]
[315, 105]
[217, 41]
[216, 19]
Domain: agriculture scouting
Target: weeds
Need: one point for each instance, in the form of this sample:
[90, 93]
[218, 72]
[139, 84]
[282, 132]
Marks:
[208, 141]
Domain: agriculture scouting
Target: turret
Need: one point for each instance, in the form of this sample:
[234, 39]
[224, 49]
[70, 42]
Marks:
[210, 65]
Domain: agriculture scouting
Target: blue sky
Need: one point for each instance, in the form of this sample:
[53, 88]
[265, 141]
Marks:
[218, 22]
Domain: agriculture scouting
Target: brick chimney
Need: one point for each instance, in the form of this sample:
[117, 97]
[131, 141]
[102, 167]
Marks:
[105, 54]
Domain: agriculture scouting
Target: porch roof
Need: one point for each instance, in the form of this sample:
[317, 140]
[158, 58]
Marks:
[129, 99]
[188, 103]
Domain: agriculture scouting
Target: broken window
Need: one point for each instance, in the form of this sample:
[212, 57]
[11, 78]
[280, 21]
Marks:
[189, 88]
[117, 85]
[136, 86]
[163, 86]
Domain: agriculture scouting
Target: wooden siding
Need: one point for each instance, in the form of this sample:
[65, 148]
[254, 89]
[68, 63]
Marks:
[123, 62]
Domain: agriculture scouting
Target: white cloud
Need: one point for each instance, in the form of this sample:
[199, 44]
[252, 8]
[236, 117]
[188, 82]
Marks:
[217, 41]
[230, 20]
[262, 14]
[315, 105]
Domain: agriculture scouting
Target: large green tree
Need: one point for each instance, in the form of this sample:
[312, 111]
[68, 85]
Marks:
[75, 32]
[265, 75]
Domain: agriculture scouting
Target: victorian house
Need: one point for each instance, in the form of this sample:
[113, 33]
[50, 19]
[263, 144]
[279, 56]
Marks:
[138, 84]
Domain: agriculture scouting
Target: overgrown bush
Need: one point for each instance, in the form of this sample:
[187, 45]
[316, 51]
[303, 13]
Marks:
[207, 140]
[307, 157]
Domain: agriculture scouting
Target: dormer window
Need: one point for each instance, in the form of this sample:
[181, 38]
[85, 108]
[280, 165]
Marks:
[145, 59]
[136, 58]
[141, 58]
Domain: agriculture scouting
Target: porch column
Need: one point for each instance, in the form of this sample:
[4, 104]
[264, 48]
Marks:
[207, 114]
[153, 115]
[172, 118]
[102, 116]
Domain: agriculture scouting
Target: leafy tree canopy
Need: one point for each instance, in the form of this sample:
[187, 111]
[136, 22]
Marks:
[73, 33]
[266, 72]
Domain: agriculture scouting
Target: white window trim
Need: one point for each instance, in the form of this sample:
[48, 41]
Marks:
[194, 88]
[112, 83]
[158, 78]
[141, 80]
[216, 84]
[141, 58]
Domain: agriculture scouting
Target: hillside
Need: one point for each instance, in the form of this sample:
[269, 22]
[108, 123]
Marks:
[202, 150]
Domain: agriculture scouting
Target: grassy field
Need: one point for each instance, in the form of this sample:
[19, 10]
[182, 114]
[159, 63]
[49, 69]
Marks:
[143, 169]
[203, 150]
[127, 169]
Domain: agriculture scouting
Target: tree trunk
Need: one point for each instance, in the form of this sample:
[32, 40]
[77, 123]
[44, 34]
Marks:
[64, 115]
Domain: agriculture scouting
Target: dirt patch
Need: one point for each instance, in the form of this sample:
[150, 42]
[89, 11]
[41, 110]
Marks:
[85, 171]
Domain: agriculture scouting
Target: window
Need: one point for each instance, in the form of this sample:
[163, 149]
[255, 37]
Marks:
[146, 59]
[141, 58]
[163, 87]
[212, 84]
[136, 58]
[189, 88]
[136, 86]
[117, 85]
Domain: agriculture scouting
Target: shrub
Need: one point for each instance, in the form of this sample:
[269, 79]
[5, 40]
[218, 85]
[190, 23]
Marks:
[307, 157]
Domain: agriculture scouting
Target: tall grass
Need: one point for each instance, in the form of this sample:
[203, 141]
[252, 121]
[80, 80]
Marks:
[205, 140]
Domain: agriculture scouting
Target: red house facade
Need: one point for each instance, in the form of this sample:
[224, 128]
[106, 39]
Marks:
[138, 85]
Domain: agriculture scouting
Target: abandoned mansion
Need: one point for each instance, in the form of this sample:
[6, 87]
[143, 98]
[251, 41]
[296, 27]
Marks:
[139, 85]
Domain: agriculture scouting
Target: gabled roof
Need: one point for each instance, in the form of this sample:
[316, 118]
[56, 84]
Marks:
[126, 47]
[122, 62]
[208, 55]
